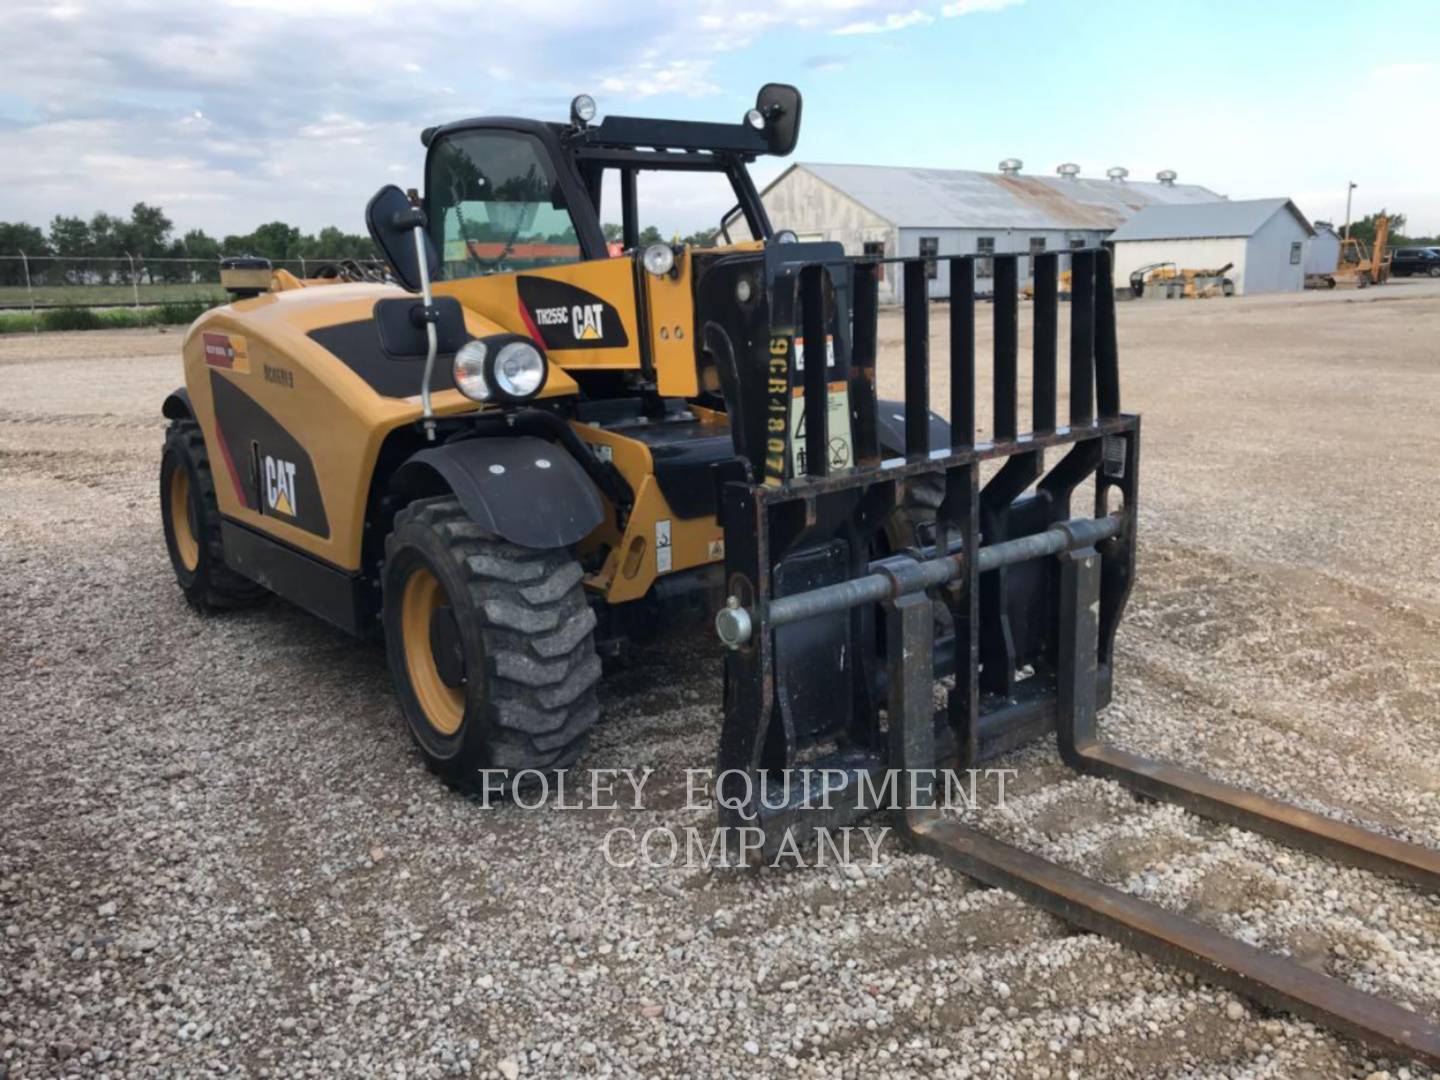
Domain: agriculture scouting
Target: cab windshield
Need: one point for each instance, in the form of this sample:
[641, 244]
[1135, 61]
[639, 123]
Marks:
[495, 205]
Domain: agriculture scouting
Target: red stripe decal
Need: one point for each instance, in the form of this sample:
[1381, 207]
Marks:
[530, 326]
[230, 465]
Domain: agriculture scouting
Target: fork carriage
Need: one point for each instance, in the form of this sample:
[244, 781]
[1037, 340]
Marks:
[1011, 595]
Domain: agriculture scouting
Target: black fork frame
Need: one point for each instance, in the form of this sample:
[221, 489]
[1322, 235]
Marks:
[1027, 587]
[812, 696]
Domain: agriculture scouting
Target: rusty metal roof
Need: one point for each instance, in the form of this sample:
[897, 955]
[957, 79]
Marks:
[963, 199]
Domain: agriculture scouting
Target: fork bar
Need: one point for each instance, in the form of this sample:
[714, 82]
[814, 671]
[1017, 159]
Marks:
[1291, 825]
[1218, 958]
[901, 575]
[1273, 980]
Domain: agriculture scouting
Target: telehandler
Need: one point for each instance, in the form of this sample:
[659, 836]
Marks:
[523, 448]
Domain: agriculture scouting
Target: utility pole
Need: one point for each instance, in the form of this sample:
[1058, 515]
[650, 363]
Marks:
[1348, 192]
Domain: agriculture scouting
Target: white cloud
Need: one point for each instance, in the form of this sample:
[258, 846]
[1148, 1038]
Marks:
[893, 21]
[686, 78]
[973, 7]
[202, 107]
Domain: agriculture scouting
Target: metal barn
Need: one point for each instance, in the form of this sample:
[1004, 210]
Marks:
[1323, 254]
[895, 211]
[1263, 240]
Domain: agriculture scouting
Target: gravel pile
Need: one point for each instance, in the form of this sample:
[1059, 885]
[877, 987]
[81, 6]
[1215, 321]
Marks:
[220, 856]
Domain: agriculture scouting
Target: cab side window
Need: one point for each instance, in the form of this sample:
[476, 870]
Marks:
[495, 205]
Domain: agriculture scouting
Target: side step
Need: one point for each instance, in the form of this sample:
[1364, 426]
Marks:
[1272, 980]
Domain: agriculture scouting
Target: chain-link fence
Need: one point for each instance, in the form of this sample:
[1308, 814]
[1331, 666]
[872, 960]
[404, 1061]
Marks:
[70, 292]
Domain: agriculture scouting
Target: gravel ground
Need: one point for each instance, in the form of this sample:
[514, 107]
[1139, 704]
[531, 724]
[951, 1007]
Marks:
[220, 855]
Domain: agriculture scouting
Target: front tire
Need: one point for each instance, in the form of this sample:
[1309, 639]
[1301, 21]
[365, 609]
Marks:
[491, 646]
[191, 520]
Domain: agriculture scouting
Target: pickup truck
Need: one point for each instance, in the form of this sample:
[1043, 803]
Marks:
[1416, 260]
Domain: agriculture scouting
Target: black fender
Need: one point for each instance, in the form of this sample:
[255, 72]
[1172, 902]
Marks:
[523, 489]
[890, 419]
[177, 406]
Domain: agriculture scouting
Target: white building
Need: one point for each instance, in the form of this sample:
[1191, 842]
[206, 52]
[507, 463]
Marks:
[1263, 241]
[1323, 254]
[893, 211]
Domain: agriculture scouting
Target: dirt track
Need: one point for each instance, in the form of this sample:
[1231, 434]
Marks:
[218, 851]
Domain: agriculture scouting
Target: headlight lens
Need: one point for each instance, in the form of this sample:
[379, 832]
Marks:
[786, 236]
[756, 119]
[658, 259]
[518, 370]
[470, 371]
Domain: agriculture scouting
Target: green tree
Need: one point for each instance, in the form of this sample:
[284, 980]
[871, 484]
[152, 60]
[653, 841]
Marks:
[650, 235]
[69, 236]
[1364, 229]
[199, 245]
[146, 235]
[334, 244]
[205, 249]
[612, 231]
[701, 238]
[17, 238]
[276, 241]
[107, 239]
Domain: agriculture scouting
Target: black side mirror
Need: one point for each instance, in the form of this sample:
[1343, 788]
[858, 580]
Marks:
[780, 104]
[392, 222]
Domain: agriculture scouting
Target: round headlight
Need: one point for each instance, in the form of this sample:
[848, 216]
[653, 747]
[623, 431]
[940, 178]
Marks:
[658, 259]
[786, 236]
[470, 371]
[518, 370]
[582, 109]
[756, 119]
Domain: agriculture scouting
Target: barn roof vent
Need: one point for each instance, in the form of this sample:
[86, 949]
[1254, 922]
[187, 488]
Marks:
[1117, 173]
[1166, 177]
[1011, 166]
[1069, 170]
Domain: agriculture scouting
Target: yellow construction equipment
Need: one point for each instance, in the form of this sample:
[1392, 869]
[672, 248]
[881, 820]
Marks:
[1173, 282]
[1360, 265]
[509, 451]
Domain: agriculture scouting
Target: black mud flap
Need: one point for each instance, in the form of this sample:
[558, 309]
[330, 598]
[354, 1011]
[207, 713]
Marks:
[523, 489]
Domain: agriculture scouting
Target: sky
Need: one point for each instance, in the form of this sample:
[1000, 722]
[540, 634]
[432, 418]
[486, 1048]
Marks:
[230, 113]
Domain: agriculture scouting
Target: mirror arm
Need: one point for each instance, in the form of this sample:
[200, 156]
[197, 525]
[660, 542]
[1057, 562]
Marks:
[431, 339]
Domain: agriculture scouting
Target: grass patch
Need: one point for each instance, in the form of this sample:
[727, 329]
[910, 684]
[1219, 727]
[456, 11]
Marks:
[17, 297]
[17, 324]
[71, 318]
[178, 312]
[173, 313]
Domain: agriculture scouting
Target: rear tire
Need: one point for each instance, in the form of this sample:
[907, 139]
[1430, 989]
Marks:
[191, 518]
[491, 645]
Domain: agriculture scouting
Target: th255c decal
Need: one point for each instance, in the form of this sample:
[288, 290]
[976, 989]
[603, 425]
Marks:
[568, 317]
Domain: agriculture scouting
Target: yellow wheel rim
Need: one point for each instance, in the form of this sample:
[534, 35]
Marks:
[443, 706]
[187, 547]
